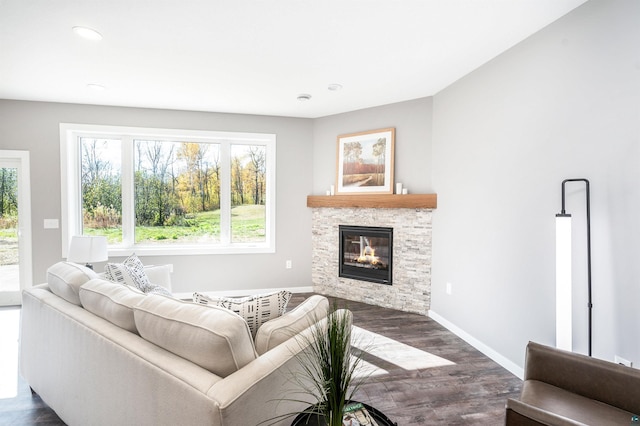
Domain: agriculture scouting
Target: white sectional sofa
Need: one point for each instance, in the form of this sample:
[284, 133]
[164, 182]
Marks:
[100, 353]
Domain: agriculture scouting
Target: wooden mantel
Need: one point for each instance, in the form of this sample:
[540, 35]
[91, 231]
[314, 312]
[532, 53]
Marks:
[381, 201]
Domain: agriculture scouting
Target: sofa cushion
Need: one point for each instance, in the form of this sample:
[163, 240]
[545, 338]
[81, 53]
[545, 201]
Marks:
[278, 330]
[256, 310]
[65, 279]
[133, 273]
[111, 301]
[214, 338]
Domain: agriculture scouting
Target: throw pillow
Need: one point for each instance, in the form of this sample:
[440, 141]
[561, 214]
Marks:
[130, 272]
[158, 289]
[256, 310]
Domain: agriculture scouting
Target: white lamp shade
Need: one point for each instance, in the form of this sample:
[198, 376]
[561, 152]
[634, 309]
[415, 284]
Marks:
[563, 283]
[85, 249]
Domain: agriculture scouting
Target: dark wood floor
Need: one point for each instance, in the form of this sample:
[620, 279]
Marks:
[471, 391]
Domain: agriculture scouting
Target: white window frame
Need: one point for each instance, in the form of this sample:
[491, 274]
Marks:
[70, 163]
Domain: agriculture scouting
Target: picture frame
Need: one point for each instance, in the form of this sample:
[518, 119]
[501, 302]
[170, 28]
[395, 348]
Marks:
[365, 161]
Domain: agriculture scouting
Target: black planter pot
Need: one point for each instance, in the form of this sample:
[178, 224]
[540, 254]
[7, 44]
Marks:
[305, 419]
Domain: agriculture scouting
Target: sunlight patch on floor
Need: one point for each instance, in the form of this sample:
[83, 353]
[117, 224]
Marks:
[366, 369]
[9, 332]
[398, 353]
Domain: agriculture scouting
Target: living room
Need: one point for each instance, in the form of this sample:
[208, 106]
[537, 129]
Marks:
[494, 146]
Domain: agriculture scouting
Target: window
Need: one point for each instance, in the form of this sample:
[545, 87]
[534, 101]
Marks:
[157, 191]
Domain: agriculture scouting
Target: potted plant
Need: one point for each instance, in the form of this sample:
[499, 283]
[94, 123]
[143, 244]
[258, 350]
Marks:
[328, 369]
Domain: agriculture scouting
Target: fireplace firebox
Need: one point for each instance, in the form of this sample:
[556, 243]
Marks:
[366, 253]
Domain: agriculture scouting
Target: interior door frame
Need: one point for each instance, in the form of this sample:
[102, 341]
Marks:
[21, 161]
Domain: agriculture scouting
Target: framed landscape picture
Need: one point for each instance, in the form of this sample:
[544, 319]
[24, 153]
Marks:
[365, 162]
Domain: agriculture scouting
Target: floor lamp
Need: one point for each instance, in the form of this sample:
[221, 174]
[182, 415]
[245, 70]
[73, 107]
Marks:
[563, 271]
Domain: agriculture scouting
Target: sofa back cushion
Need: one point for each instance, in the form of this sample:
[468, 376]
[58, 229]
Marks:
[276, 331]
[213, 338]
[111, 301]
[65, 279]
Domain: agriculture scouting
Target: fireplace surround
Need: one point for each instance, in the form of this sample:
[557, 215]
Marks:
[411, 275]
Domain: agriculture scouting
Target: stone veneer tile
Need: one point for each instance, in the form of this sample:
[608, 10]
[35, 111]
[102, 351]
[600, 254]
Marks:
[411, 289]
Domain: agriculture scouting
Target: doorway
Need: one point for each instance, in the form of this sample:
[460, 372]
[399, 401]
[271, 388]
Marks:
[15, 226]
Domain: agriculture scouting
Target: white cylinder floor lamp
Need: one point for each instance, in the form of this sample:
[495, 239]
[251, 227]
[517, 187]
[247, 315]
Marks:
[563, 272]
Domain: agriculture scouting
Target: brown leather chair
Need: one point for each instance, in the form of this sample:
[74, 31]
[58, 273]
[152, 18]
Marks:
[565, 388]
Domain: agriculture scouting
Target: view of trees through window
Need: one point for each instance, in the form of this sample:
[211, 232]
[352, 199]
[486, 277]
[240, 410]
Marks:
[8, 216]
[177, 191]
[102, 188]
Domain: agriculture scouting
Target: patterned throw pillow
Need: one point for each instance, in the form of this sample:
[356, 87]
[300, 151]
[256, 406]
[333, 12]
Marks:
[158, 289]
[256, 310]
[130, 272]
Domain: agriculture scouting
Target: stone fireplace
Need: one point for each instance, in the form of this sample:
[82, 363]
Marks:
[411, 273]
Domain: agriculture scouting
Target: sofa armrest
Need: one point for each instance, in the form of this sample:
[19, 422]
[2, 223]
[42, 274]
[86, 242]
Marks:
[523, 414]
[160, 275]
[603, 381]
[268, 382]
[279, 330]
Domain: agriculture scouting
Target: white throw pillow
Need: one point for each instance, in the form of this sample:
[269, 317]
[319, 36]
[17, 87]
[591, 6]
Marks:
[213, 338]
[65, 279]
[130, 272]
[133, 273]
[111, 301]
[256, 310]
[278, 330]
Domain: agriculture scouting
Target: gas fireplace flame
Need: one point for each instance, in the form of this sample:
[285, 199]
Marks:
[367, 253]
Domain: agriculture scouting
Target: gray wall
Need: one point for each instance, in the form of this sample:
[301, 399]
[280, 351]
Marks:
[564, 103]
[34, 126]
[412, 121]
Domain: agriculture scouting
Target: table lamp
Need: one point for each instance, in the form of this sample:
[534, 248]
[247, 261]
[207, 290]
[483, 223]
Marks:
[88, 249]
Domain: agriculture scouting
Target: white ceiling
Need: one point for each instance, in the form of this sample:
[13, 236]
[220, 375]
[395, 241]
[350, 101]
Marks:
[256, 56]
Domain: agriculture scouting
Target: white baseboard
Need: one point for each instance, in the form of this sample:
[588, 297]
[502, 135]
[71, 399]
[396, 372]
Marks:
[491, 353]
[242, 293]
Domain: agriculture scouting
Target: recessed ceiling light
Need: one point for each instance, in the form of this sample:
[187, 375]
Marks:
[304, 97]
[96, 87]
[335, 87]
[88, 33]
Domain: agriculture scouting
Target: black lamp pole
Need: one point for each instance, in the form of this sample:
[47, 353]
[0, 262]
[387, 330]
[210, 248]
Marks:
[563, 213]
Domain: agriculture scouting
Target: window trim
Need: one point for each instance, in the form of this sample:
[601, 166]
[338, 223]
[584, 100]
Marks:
[71, 223]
